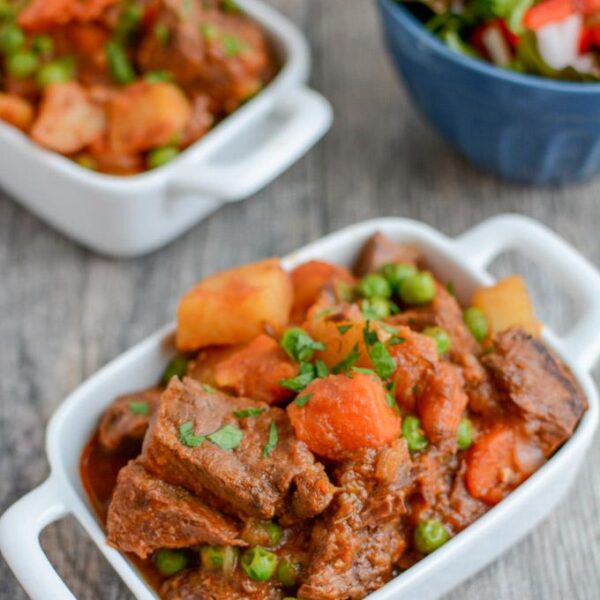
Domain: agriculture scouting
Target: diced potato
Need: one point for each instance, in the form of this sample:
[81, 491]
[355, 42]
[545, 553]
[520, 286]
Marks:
[507, 304]
[146, 115]
[16, 111]
[68, 119]
[234, 306]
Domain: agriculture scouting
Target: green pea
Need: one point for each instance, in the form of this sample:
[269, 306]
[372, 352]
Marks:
[429, 536]
[414, 434]
[22, 65]
[169, 562]
[376, 308]
[43, 44]
[259, 564]
[441, 337]
[374, 286]
[476, 322]
[119, 64]
[262, 533]
[12, 38]
[464, 434]
[219, 558]
[161, 156]
[177, 367]
[418, 289]
[288, 571]
[397, 274]
[57, 71]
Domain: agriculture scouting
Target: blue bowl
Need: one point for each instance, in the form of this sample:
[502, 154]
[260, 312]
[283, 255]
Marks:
[524, 128]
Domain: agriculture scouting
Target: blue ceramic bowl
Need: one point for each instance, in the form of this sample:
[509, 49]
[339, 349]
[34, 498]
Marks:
[523, 128]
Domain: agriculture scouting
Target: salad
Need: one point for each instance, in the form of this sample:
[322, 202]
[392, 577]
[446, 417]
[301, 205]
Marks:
[559, 39]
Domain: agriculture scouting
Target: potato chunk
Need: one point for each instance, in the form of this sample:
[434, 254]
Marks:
[234, 306]
[16, 111]
[146, 115]
[69, 120]
[507, 304]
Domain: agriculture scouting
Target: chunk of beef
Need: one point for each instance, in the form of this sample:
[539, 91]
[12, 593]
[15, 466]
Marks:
[536, 381]
[127, 418]
[146, 514]
[356, 543]
[200, 585]
[442, 404]
[379, 250]
[221, 54]
[287, 481]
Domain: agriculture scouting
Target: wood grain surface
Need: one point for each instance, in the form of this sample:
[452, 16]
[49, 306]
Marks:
[65, 312]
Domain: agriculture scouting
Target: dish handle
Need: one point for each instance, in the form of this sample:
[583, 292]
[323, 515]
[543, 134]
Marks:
[20, 529]
[293, 123]
[480, 245]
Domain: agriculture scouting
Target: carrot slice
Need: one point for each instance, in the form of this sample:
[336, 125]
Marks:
[491, 467]
[339, 415]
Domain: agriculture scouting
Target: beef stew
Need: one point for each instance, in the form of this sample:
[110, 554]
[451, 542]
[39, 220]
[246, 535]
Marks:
[388, 420]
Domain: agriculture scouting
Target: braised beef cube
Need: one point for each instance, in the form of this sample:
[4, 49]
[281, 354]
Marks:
[146, 514]
[252, 481]
[222, 54]
[127, 418]
[380, 250]
[200, 585]
[536, 381]
[357, 542]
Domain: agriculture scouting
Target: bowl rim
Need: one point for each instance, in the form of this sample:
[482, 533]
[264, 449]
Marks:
[397, 10]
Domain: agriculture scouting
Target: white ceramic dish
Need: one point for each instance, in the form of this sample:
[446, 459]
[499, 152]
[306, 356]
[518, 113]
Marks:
[129, 216]
[462, 260]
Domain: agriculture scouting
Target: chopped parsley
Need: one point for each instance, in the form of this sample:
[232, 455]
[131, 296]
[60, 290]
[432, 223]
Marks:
[344, 328]
[395, 340]
[347, 362]
[209, 31]
[157, 76]
[227, 438]
[233, 46]
[299, 382]
[139, 408]
[187, 436]
[323, 313]
[208, 388]
[364, 371]
[162, 33]
[321, 368]
[272, 439]
[248, 412]
[383, 362]
[369, 335]
[302, 400]
[299, 345]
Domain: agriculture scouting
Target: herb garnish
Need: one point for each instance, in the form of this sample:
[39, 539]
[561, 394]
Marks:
[369, 335]
[347, 362]
[187, 435]
[383, 362]
[139, 408]
[302, 400]
[299, 345]
[227, 438]
[344, 328]
[272, 439]
[364, 371]
[300, 381]
[248, 412]
[395, 340]
[321, 368]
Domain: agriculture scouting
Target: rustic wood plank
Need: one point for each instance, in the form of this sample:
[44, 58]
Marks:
[64, 312]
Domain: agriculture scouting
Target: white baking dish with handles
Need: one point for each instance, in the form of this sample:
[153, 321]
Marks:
[462, 260]
[130, 216]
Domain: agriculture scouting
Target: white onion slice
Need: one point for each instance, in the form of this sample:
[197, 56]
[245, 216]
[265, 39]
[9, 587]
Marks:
[558, 43]
[497, 46]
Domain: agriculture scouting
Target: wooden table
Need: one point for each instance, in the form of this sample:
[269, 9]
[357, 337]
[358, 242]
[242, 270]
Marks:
[65, 312]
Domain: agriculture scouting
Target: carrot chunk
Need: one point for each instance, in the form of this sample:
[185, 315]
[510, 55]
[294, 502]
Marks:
[339, 415]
